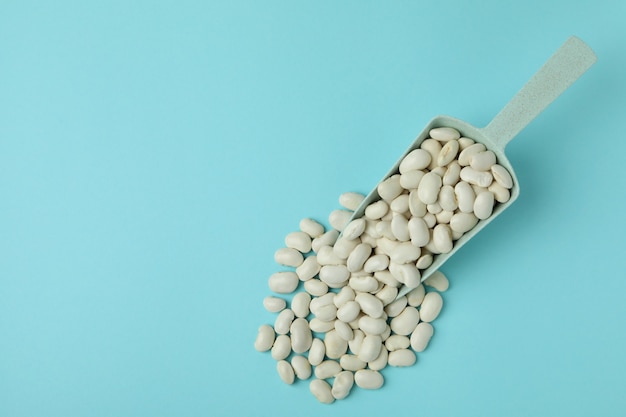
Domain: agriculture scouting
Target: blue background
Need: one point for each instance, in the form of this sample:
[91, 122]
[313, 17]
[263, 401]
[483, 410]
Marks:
[153, 155]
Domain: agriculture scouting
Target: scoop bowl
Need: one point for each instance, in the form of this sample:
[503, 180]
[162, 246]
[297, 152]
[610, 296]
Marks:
[565, 66]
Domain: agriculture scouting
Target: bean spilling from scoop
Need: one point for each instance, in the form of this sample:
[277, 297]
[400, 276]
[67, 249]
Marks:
[346, 324]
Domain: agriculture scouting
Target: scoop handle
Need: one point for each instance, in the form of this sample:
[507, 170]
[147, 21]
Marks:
[567, 64]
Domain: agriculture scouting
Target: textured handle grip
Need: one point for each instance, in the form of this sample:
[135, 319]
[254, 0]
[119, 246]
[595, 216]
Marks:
[567, 64]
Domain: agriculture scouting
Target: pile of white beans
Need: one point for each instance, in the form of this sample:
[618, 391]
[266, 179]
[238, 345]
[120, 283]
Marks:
[348, 322]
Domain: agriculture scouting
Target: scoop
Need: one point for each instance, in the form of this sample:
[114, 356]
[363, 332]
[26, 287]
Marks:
[567, 64]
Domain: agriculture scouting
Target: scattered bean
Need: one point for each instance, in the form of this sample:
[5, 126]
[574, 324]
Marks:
[274, 304]
[322, 391]
[368, 379]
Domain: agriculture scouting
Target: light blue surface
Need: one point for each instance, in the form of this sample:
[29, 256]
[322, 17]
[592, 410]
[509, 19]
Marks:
[154, 154]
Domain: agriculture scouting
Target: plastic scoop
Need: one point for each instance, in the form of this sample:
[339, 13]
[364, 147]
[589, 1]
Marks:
[567, 64]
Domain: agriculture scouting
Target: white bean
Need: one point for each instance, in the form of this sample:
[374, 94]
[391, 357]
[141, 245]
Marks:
[338, 219]
[383, 228]
[416, 206]
[400, 227]
[321, 326]
[482, 161]
[370, 305]
[439, 171]
[298, 240]
[311, 227]
[396, 342]
[387, 278]
[448, 153]
[396, 307]
[315, 287]
[465, 142]
[402, 357]
[365, 238]
[433, 147]
[288, 257]
[480, 178]
[282, 347]
[317, 352]
[344, 330]
[370, 347]
[327, 256]
[444, 216]
[429, 187]
[354, 324]
[417, 159]
[408, 274]
[326, 313]
[274, 304]
[334, 275]
[265, 338]
[410, 180]
[370, 325]
[301, 336]
[301, 367]
[343, 247]
[464, 196]
[285, 371]
[483, 205]
[283, 321]
[501, 194]
[431, 307]
[387, 294]
[351, 201]
[400, 204]
[421, 336]
[283, 282]
[321, 301]
[376, 210]
[358, 256]
[363, 283]
[381, 360]
[405, 322]
[342, 385]
[430, 246]
[349, 311]
[447, 198]
[442, 238]
[370, 228]
[354, 229]
[335, 345]
[418, 231]
[368, 379]
[466, 154]
[351, 363]
[438, 281]
[321, 391]
[356, 342]
[308, 269]
[390, 188]
[377, 263]
[386, 246]
[463, 222]
[327, 239]
[452, 174]
[327, 369]
[405, 253]
[502, 176]
[343, 296]
[434, 208]
[424, 261]
[444, 134]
